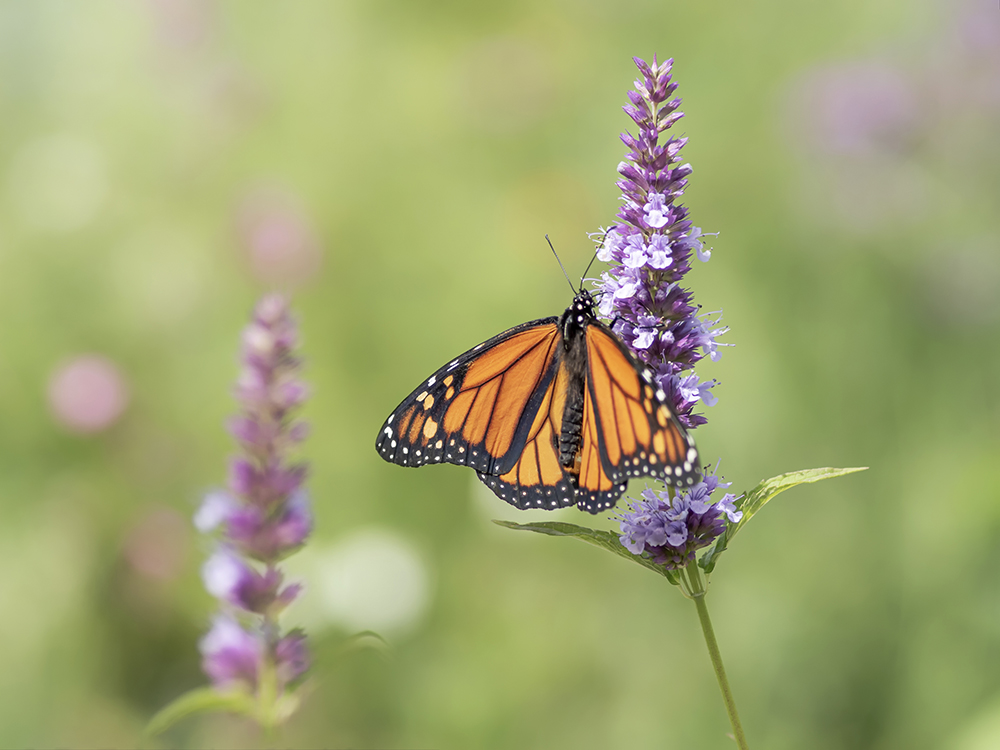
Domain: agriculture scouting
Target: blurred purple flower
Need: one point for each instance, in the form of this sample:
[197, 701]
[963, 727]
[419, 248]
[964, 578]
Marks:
[231, 579]
[229, 654]
[650, 251]
[270, 537]
[670, 530]
[214, 510]
[859, 109]
[292, 657]
[264, 514]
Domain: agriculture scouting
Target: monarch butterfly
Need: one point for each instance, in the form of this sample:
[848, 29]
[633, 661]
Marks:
[551, 413]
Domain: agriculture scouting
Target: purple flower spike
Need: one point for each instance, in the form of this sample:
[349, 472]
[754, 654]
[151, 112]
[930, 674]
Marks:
[650, 247]
[670, 531]
[262, 516]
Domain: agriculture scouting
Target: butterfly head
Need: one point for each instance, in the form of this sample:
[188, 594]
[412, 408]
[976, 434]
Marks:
[577, 317]
[583, 302]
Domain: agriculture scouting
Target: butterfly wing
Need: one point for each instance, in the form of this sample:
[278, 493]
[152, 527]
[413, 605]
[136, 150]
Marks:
[480, 409]
[627, 422]
[537, 479]
[596, 489]
[499, 408]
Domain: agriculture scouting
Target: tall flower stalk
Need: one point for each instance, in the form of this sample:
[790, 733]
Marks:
[649, 252]
[261, 517]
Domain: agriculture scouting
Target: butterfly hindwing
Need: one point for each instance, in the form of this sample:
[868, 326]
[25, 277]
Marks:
[538, 480]
[637, 433]
[478, 409]
[596, 490]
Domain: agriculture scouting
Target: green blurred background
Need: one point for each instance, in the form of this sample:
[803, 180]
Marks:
[395, 165]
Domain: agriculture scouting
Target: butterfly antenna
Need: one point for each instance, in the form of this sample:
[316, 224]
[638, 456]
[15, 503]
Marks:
[587, 269]
[560, 264]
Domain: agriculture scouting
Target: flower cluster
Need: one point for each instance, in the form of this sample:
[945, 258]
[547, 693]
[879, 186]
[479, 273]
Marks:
[650, 251]
[261, 517]
[670, 530]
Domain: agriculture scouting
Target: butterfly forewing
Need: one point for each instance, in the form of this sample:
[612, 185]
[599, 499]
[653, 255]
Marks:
[478, 409]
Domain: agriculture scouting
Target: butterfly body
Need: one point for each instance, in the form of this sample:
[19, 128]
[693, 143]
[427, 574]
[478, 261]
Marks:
[550, 413]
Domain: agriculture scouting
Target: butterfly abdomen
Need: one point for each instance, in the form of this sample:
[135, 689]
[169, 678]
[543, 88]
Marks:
[574, 364]
[569, 439]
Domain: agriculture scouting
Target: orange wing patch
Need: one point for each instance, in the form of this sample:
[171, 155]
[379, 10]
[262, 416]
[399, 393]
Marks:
[537, 480]
[501, 357]
[596, 490]
[636, 433]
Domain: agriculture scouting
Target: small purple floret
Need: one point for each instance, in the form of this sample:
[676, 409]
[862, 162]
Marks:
[229, 578]
[230, 654]
[291, 657]
[215, 509]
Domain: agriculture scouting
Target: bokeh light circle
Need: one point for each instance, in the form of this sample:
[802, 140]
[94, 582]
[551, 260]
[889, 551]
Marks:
[87, 393]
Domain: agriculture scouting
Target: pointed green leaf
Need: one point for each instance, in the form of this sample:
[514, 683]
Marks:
[604, 539]
[200, 701]
[758, 497]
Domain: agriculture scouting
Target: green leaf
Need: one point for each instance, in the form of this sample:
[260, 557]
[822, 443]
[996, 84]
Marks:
[758, 497]
[200, 701]
[604, 539]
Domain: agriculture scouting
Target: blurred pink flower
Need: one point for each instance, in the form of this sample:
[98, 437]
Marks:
[968, 58]
[183, 24]
[279, 241]
[978, 25]
[857, 108]
[87, 393]
[157, 544]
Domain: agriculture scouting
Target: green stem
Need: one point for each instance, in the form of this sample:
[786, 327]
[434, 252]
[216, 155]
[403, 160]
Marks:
[267, 697]
[697, 583]
[267, 682]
